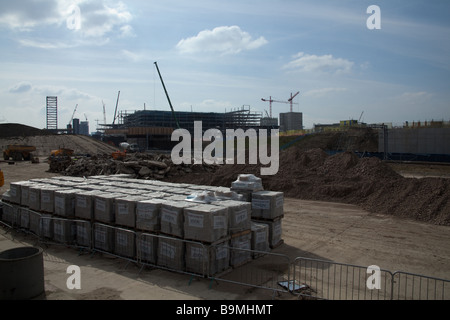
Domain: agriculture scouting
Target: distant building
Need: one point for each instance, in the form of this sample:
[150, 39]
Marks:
[84, 128]
[291, 121]
[76, 126]
[269, 122]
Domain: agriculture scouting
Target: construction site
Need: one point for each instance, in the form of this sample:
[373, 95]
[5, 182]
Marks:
[141, 227]
[354, 211]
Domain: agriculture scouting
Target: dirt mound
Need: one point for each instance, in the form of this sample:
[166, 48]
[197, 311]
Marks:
[344, 177]
[46, 143]
[8, 130]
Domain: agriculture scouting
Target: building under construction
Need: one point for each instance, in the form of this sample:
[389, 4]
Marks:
[152, 129]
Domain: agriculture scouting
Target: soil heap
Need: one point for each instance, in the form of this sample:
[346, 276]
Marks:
[344, 177]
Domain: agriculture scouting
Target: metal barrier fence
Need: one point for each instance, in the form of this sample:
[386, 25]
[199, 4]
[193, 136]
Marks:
[337, 281]
[267, 270]
[304, 277]
[409, 286]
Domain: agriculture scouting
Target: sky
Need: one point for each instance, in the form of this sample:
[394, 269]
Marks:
[390, 64]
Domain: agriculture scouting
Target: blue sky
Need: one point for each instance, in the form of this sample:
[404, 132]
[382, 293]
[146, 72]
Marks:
[222, 55]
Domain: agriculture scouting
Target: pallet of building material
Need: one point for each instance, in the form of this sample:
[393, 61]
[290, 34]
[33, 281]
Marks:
[125, 210]
[205, 223]
[172, 217]
[125, 243]
[104, 238]
[147, 248]
[34, 197]
[6, 196]
[260, 238]
[267, 204]
[8, 213]
[239, 214]
[48, 198]
[240, 247]
[85, 204]
[208, 259]
[104, 209]
[247, 183]
[64, 231]
[16, 216]
[275, 231]
[35, 222]
[65, 202]
[15, 191]
[24, 188]
[24, 218]
[46, 226]
[171, 253]
[83, 236]
[148, 214]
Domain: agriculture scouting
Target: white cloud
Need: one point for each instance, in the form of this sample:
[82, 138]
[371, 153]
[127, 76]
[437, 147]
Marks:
[21, 87]
[97, 18]
[312, 63]
[26, 14]
[224, 40]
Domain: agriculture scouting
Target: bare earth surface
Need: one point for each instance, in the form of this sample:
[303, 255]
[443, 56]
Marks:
[324, 230]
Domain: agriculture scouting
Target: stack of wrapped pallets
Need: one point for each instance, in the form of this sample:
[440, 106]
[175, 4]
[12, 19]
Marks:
[185, 227]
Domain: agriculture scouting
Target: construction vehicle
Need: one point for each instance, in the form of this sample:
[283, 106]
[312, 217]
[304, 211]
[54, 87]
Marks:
[61, 152]
[18, 152]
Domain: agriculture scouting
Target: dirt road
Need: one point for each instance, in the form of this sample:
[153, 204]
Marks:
[329, 231]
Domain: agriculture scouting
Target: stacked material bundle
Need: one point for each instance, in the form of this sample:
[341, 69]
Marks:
[240, 249]
[65, 202]
[267, 205]
[147, 247]
[207, 259]
[177, 226]
[104, 239]
[85, 204]
[125, 243]
[148, 213]
[104, 207]
[172, 217]
[171, 253]
[239, 214]
[205, 223]
[260, 237]
[246, 184]
[125, 210]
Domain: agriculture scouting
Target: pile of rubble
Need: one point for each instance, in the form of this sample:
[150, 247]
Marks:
[140, 165]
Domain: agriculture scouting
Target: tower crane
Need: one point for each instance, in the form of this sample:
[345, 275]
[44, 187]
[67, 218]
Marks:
[73, 114]
[115, 112]
[69, 126]
[292, 98]
[104, 113]
[270, 100]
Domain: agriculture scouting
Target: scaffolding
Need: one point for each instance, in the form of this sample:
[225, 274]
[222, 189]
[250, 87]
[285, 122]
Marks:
[52, 113]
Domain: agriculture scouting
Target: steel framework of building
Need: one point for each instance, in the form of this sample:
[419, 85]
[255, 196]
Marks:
[52, 113]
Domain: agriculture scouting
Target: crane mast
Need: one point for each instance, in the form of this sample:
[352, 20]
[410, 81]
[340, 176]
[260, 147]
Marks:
[167, 95]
